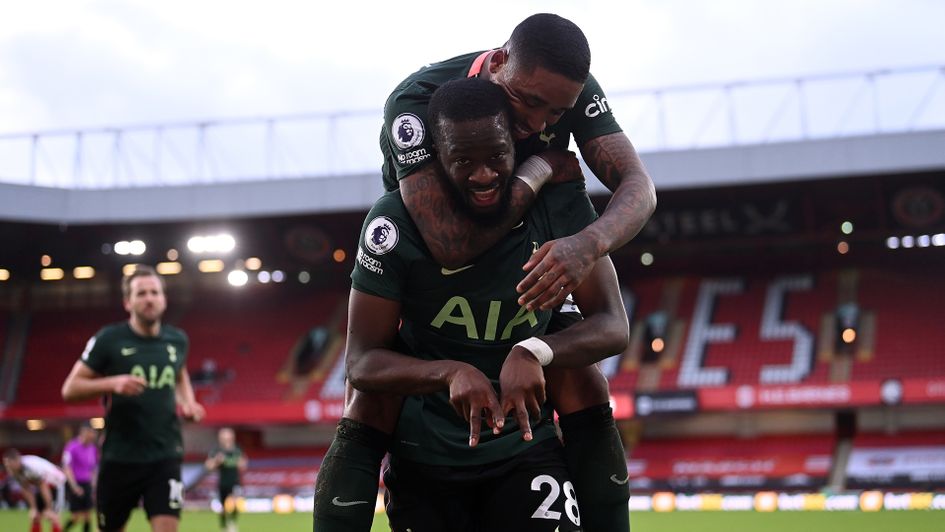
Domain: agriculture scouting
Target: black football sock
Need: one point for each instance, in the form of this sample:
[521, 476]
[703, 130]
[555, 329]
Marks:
[598, 467]
[346, 486]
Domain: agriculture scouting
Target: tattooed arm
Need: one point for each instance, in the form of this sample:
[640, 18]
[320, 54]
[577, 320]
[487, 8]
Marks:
[567, 261]
[615, 162]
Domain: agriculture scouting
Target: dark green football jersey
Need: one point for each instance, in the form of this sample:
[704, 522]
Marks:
[469, 314]
[142, 428]
[228, 471]
[406, 142]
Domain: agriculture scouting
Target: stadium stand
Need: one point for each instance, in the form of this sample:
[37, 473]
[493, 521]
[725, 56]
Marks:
[906, 460]
[909, 335]
[250, 336]
[268, 476]
[902, 310]
[788, 462]
[56, 339]
[286, 470]
[746, 354]
[749, 389]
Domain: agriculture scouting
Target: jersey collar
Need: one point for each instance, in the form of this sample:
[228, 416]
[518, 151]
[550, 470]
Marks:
[477, 64]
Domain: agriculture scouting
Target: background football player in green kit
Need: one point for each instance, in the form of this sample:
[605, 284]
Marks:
[229, 461]
[543, 69]
[139, 367]
[448, 340]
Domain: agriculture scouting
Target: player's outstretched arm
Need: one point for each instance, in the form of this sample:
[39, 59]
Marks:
[372, 366]
[84, 383]
[567, 261]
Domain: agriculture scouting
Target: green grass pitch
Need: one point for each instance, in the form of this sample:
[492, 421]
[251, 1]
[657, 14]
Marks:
[919, 521]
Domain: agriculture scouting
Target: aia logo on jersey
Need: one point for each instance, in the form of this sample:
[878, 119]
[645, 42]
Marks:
[597, 107]
[407, 131]
[381, 235]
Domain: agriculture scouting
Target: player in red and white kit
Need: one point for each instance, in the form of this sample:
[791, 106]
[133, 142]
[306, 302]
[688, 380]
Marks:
[39, 474]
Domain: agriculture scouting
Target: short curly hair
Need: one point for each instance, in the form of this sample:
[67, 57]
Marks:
[553, 43]
[466, 99]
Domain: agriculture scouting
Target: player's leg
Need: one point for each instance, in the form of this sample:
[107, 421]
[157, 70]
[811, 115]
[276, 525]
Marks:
[86, 504]
[58, 497]
[224, 492]
[117, 493]
[83, 506]
[36, 525]
[73, 501]
[595, 454]
[426, 499]
[346, 486]
[44, 511]
[164, 495]
[536, 495]
[79, 506]
[234, 509]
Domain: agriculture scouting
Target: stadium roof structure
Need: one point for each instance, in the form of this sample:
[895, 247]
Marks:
[842, 124]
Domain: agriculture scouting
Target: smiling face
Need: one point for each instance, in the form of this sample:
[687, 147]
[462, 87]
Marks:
[538, 96]
[478, 157]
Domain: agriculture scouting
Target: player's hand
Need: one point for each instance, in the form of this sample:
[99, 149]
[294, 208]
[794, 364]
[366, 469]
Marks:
[470, 394]
[192, 411]
[77, 489]
[555, 270]
[34, 515]
[128, 385]
[522, 384]
[564, 166]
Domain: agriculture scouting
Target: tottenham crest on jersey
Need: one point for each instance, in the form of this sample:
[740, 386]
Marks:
[381, 235]
[407, 131]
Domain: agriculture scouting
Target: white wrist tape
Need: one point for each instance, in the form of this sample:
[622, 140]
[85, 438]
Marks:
[535, 172]
[539, 348]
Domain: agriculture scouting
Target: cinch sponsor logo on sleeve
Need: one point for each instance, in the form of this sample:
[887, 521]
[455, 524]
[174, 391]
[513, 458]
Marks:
[597, 107]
